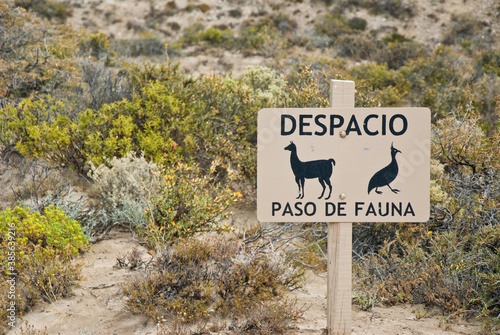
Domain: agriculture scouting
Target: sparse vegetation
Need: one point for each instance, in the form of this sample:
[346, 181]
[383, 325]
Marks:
[165, 153]
[198, 279]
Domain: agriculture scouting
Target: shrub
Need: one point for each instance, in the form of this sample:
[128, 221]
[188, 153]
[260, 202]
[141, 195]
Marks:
[490, 61]
[400, 51]
[355, 47]
[47, 8]
[212, 36]
[387, 87]
[123, 188]
[100, 85]
[441, 82]
[471, 159]
[40, 186]
[265, 40]
[453, 273]
[187, 203]
[129, 178]
[42, 129]
[97, 46]
[332, 25]
[35, 59]
[451, 261]
[199, 278]
[143, 46]
[462, 27]
[357, 23]
[304, 90]
[38, 249]
[396, 8]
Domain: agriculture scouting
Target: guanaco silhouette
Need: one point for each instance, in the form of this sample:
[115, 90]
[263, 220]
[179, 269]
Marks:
[321, 169]
[387, 175]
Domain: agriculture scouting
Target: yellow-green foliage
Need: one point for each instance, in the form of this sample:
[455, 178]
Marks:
[39, 250]
[212, 36]
[39, 129]
[188, 202]
[53, 230]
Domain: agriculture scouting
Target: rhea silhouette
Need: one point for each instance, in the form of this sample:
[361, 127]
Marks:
[321, 169]
[387, 175]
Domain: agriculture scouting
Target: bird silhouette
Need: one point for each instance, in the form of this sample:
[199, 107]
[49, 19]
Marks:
[385, 176]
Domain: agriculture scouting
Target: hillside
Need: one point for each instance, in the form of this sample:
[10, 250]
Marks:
[429, 22]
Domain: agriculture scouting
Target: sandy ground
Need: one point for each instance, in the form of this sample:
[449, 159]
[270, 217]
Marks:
[96, 307]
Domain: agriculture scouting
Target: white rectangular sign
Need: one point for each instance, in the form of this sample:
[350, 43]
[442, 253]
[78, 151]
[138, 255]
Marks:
[343, 165]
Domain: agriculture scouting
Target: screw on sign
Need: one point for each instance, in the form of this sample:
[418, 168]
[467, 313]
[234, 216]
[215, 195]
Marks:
[357, 164]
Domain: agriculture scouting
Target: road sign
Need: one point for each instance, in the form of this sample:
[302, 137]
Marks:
[343, 165]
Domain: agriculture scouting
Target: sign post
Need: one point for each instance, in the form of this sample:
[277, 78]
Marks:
[339, 252]
[341, 165]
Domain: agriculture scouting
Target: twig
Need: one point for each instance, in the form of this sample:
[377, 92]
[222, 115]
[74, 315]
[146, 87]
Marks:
[99, 286]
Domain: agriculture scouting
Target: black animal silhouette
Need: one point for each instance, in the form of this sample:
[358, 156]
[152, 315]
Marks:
[387, 175]
[321, 169]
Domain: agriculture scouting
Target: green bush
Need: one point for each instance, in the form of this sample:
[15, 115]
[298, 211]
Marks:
[332, 25]
[212, 36]
[490, 62]
[39, 249]
[161, 120]
[399, 51]
[41, 129]
[463, 27]
[265, 40]
[355, 47]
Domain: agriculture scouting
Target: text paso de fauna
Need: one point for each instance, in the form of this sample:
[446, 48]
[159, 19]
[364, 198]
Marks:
[322, 124]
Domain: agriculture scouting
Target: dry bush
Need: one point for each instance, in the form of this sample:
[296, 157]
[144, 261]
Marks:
[303, 244]
[122, 188]
[35, 58]
[47, 8]
[463, 27]
[143, 46]
[451, 261]
[211, 277]
[130, 178]
[101, 85]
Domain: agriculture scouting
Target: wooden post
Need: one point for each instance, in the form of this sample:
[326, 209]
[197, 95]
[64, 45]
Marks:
[339, 281]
